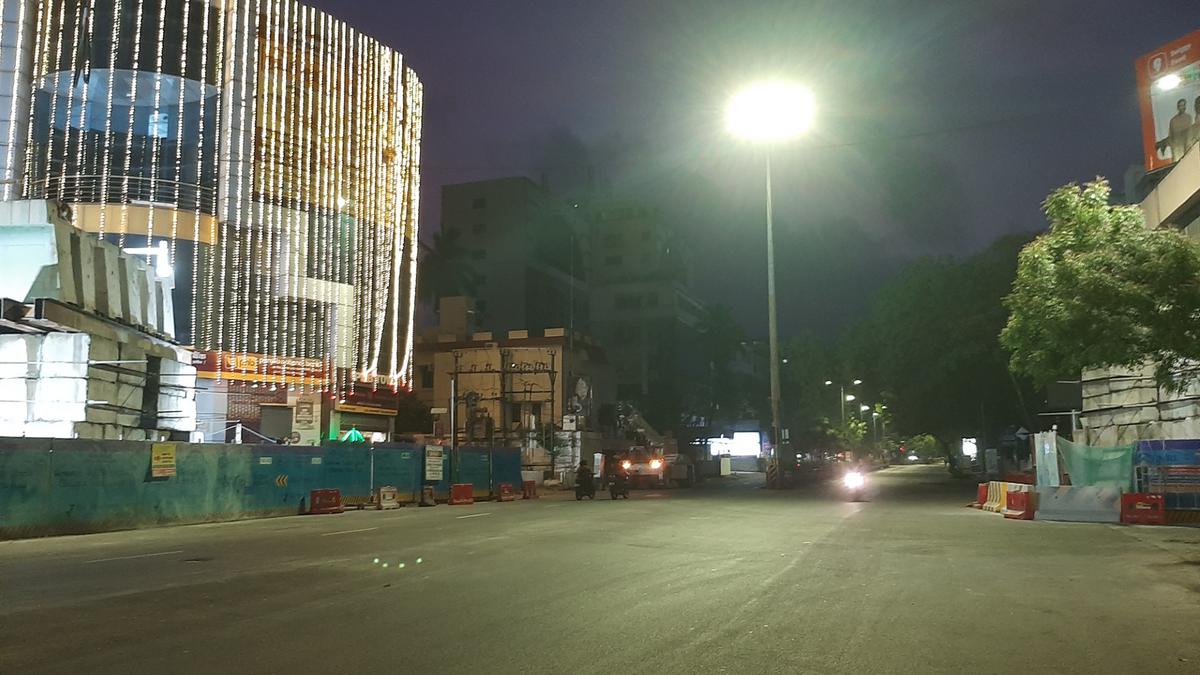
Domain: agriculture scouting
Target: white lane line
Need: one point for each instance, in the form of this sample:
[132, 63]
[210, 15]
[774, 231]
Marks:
[333, 534]
[474, 515]
[131, 557]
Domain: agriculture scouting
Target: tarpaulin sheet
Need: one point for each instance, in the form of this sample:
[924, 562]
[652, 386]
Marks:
[1168, 453]
[1098, 467]
[1046, 452]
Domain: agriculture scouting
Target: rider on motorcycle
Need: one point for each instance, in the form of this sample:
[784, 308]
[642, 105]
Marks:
[583, 476]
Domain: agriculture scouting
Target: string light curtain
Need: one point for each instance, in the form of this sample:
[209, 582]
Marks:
[276, 150]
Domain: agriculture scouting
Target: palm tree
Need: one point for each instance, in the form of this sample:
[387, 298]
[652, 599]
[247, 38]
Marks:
[444, 269]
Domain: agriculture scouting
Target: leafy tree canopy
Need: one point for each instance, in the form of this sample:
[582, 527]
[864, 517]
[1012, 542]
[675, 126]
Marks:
[1100, 289]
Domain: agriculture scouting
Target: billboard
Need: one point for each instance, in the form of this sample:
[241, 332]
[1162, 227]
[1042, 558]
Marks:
[1169, 91]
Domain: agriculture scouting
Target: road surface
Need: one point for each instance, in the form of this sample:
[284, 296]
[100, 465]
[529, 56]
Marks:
[724, 578]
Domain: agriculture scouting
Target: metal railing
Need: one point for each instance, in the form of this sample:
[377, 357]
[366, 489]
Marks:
[119, 189]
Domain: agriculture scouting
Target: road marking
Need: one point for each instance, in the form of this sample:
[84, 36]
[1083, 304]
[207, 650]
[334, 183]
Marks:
[130, 557]
[332, 534]
[474, 515]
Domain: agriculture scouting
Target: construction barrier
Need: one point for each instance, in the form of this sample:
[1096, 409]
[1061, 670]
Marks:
[427, 496]
[1019, 502]
[462, 493]
[981, 496]
[1143, 509]
[1183, 517]
[1171, 469]
[506, 493]
[1081, 504]
[387, 497]
[997, 496]
[529, 489]
[325, 501]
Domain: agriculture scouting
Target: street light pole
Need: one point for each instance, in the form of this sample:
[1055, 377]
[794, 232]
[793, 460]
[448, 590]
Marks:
[771, 112]
[772, 329]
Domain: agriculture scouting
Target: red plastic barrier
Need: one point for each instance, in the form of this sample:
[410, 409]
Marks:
[529, 489]
[981, 495]
[1019, 505]
[506, 493]
[462, 493]
[1139, 508]
[325, 501]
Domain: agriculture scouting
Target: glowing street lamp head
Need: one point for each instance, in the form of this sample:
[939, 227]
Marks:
[771, 111]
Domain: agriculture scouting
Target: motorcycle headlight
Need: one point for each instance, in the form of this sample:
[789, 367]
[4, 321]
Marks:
[655, 463]
[853, 479]
[626, 464]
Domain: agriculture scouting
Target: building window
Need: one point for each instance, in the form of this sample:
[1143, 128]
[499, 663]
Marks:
[426, 377]
[478, 254]
[628, 301]
[479, 228]
[645, 235]
[535, 411]
[612, 260]
[612, 239]
[479, 203]
[514, 412]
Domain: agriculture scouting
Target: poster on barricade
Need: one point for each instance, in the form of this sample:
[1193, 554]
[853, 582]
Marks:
[434, 459]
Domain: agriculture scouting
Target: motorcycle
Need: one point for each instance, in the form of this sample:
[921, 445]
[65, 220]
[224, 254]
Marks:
[619, 485]
[855, 483]
[585, 488]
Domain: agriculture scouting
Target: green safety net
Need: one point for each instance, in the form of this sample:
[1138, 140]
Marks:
[1098, 467]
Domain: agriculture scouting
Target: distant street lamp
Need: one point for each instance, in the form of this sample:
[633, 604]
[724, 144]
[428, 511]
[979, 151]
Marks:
[771, 112]
[843, 397]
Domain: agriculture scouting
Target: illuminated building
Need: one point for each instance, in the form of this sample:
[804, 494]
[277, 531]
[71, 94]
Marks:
[273, 149]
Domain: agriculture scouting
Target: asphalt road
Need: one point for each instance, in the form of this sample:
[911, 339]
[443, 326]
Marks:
[724, 578]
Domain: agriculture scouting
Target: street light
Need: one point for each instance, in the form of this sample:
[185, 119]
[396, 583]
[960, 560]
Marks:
[771, 112]
[844, 398]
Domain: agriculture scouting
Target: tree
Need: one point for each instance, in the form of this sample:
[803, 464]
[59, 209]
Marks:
[923, 446]
[1100, 289]
[930, 347]
[444, 269]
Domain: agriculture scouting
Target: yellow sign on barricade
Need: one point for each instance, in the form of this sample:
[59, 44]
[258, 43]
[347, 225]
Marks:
[162, 460]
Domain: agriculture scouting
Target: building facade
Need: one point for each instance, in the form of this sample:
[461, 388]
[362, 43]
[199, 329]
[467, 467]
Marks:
[521, 388]
[643, 312]
[265, 153]
[525, 248]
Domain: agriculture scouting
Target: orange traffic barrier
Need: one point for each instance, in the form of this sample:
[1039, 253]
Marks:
[981, 495]
[1138, 508]
[506, 493]
[1018, 502]
[462, 493]
[529, 489]
[325, 501]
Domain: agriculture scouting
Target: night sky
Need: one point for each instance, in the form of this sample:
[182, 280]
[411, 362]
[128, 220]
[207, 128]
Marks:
[941, 126]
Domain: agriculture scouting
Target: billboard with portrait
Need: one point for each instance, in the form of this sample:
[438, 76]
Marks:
[1169, 90]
